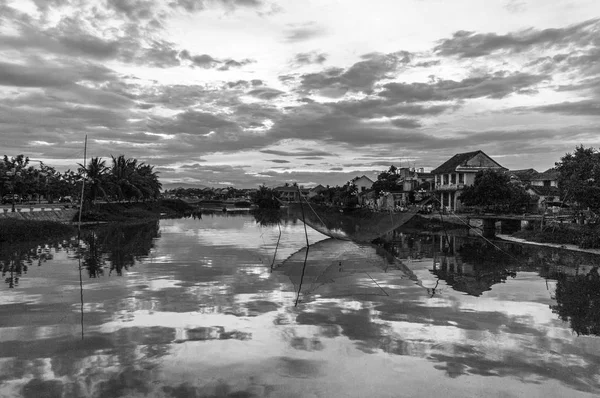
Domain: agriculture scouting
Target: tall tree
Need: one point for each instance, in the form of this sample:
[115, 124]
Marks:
[492, 190]
[579, 177]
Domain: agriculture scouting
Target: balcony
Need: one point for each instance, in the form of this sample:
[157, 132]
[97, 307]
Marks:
[449, 187]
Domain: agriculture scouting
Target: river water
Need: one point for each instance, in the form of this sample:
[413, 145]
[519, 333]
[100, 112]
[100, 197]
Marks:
[209, 307]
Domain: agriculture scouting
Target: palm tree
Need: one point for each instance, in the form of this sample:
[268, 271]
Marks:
[122, 177]
[147, 181]
[96, 177]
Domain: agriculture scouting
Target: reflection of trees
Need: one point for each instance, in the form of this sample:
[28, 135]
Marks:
[16, 259]
[93, 260]
[578, 301]
[119, 244]
[267, 217]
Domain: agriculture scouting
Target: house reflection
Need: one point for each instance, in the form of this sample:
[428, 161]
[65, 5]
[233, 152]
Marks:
[472, 265]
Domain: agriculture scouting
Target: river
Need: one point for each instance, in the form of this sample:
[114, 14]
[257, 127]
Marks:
[209, 307]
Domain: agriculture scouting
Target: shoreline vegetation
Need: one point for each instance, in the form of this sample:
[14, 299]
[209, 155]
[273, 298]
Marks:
[17, 230]
[135, 211]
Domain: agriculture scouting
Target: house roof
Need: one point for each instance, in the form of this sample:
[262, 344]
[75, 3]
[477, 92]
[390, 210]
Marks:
[286, 189]
[358, 178]
[524, 174]
[545, 191]
[460, 159]
[550, 174]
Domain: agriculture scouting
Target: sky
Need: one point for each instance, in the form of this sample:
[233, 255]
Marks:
[249, 92]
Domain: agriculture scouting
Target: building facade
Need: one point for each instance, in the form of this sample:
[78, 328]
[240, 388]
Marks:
[457, 173]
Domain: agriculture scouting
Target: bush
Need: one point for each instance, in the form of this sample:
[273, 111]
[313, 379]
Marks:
[590, 238]
[15, 230]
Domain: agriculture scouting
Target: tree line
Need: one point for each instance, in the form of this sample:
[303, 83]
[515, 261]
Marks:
[578, 185]
[124, 179]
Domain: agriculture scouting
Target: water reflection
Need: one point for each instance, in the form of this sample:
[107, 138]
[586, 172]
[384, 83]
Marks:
[199, 313]
[578, 301]
[16, 259]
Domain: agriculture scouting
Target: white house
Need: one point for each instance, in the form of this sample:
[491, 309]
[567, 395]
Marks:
[459, 172]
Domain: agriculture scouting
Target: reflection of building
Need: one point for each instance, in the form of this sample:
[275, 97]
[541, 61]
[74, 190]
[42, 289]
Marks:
[459, 172]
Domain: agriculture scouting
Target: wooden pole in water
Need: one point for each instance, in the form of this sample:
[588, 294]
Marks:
[79, 230]
[307, 248]
[82, 186]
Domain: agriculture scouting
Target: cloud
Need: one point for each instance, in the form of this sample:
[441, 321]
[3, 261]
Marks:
[378, 107]
[312, 153]
[470, 44]
[498, 85]
[207, 62]
[303, 32]
[427, 64]
[585, 107]
[278, 161]
[308, 58]
[362, 76]
[265, 93]
[406, 123]
[515, 6]
[134, 9]
[30, 76]
[200, 5]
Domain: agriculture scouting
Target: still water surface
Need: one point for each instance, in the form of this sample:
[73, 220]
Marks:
[208, 307]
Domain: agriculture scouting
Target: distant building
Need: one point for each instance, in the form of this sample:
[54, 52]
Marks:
[548, 178]
[316, 191]
[363, 183]
[290, 193]
[522, 176]
[459, 172]
[545, 196]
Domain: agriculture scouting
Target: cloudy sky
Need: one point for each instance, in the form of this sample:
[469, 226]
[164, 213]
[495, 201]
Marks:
[245, 92]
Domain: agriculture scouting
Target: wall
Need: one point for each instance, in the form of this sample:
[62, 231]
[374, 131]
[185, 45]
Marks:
[63, 215]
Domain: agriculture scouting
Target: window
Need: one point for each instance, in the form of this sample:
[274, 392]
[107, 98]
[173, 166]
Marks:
[461, 178]
[547, 183]
[453, 178]
[445, 179]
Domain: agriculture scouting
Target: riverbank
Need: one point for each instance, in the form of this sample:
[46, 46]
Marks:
[36, 225]
[127, 212]
[566, 246]
[581, 236]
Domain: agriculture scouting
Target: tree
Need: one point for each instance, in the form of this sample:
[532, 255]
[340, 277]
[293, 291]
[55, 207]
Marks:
[492, 190]
[266, 198]
[96, 174]
[579, 177]
[121, 174]
[387, 181]
[14, 173]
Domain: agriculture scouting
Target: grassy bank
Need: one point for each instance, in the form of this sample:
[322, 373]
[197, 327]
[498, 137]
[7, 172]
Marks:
[127, 212]
[16, 230]
[586, 237]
